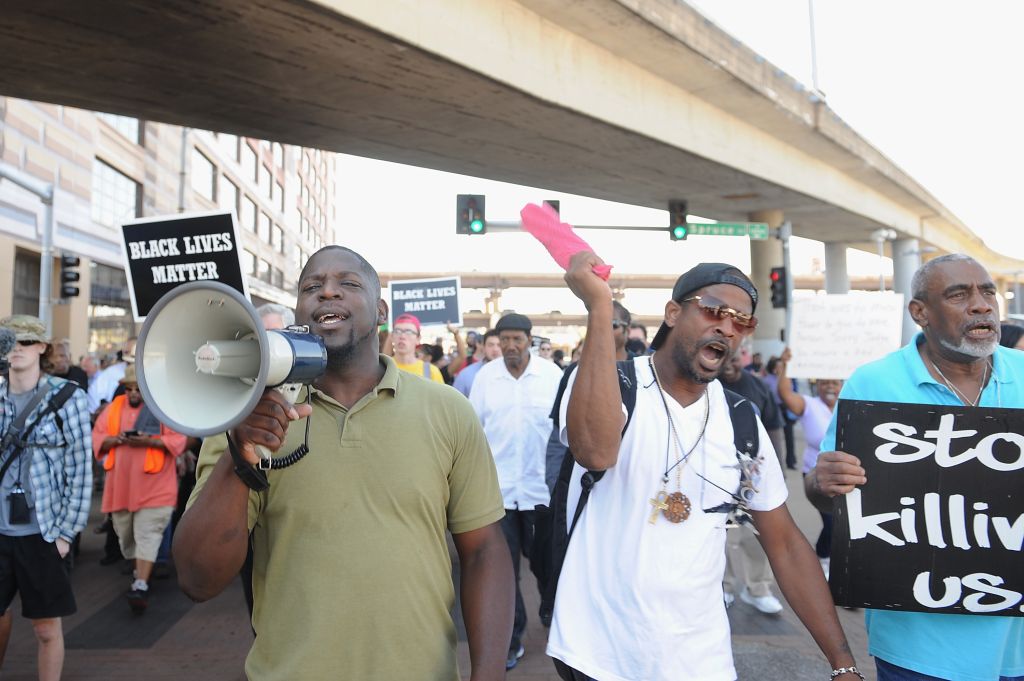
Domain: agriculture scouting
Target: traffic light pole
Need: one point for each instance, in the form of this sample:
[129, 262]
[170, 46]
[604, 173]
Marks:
[785, 231]
[45, 193]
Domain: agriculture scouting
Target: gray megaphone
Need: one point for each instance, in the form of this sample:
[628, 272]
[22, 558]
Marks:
[204, 359]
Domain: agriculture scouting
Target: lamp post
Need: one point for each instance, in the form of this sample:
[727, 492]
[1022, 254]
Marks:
[880, 236]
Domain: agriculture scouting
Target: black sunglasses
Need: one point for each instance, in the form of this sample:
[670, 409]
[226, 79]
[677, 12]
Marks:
[708, 306]
[28, 343]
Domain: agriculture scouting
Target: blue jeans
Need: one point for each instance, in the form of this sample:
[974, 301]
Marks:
[890, 672]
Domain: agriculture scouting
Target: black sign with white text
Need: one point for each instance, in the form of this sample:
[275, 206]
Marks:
[432, 301]
[939, 525]
[164, 252]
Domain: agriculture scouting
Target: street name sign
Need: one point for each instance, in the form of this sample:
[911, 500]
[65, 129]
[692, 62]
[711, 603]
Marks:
[754, 230]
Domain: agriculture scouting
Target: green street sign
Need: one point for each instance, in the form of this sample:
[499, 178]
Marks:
[754, 230]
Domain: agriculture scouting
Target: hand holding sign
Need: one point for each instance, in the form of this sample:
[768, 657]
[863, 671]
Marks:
[557, 236]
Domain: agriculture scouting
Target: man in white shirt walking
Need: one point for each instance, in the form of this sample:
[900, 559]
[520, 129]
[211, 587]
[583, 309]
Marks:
[513, 398]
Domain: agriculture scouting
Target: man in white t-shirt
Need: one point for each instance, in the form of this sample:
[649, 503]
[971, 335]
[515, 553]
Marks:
[640, 595]
[512, 398]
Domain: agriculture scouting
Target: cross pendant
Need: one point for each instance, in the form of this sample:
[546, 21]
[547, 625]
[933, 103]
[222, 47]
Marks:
[660, 503]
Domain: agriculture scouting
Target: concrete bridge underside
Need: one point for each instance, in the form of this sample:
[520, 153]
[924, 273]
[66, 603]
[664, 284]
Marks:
[639, 101]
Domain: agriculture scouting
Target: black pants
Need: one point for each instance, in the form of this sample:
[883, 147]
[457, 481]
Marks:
[568, 673]
[518, 529]
[787, 431]
[823, 547]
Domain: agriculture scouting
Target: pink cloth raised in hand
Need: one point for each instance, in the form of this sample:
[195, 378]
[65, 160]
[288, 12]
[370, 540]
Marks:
[557, 236]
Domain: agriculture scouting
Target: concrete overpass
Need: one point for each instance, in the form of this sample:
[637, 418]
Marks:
[639, 101]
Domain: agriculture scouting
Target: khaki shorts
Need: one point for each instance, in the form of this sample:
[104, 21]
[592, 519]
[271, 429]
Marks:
[140, 532]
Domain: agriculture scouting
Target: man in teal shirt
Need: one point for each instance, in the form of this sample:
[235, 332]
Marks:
[957, 360]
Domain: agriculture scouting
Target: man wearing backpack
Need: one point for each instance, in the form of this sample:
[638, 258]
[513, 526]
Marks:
[45, 486]
[639, 593]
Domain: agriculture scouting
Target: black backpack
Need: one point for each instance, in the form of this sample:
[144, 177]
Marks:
[745, 437]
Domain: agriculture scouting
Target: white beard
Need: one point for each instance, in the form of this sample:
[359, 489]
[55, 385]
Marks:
[979, 349]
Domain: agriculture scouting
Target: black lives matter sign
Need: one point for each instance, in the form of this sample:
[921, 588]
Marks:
[432, 301]
[939, 525]
[165, 252]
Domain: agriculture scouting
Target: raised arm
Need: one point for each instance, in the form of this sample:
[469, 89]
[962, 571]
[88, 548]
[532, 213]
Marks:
[460, 351]
[791, 399]
[594, 417]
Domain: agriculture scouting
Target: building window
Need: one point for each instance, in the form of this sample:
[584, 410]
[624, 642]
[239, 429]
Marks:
[229, 144]
[280, 195]
[248, 216]
[110, 309]
[248, 162]
[115, 196]
[264, 273]
[305, 161]
[227, 194]
[277, 277]
[264, 228]
[278, 155]
[264, 181]
[249, 262]
[278, 239]
[204, 175]
[26, 283]
[125, 125]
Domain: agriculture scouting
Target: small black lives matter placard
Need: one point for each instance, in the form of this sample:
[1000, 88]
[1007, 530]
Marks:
[164, 252]
[433, 301]
[939, 526]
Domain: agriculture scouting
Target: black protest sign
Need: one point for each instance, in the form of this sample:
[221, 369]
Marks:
[432, 301]
[165, 252]
[939, 525]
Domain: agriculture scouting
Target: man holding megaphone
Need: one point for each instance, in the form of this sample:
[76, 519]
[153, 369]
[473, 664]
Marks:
[352, 577]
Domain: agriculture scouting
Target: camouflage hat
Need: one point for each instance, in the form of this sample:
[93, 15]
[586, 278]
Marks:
[130, 375]
[25, 327]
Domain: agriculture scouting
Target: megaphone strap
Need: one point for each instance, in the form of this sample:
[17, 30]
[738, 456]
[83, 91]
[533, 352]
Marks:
[253, 477]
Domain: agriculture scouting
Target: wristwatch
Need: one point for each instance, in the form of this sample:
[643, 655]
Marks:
[846, 670]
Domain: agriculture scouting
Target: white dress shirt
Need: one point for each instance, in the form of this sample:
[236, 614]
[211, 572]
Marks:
[515, 416]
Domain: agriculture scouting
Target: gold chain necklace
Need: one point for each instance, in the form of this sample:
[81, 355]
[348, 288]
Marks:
[956, 391]
[676, 506]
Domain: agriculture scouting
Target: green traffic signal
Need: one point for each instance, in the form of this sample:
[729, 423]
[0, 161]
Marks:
[476, 226]
[679, 233]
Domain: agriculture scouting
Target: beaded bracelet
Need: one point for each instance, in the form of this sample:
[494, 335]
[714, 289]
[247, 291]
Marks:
[846, 670]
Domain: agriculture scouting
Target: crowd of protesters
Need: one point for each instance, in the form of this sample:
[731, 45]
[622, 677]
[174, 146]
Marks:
[422, 460]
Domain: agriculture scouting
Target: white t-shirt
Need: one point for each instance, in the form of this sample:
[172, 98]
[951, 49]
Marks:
[815, 420]
[516, 416]
[641, 601]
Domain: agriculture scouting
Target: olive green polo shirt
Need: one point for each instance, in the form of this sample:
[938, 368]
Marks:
[352, 576]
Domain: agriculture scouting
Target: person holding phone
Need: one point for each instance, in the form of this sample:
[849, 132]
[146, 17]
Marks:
[141, 491]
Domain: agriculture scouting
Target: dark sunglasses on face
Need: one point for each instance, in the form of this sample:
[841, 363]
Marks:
[714, 309]
[27, 343]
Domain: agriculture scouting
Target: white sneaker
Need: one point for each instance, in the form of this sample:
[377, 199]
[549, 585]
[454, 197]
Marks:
[728, 598]
[824, 566]
[769, 604]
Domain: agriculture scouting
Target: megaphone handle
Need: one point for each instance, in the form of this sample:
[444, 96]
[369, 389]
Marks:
[253, 478]
[290, 392]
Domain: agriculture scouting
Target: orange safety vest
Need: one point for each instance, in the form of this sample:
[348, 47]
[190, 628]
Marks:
[154, 462]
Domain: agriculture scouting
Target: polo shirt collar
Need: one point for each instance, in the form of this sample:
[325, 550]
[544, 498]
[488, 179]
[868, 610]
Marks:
[389, 381]
[920, 372]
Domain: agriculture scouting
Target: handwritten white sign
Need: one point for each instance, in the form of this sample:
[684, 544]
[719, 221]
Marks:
[833, 335]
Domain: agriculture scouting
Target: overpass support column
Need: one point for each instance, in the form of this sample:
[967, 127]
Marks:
[764, 255]
[836, 279]
[906, 258]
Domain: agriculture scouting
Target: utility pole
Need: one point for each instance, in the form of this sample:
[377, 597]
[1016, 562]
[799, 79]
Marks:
[45, 193]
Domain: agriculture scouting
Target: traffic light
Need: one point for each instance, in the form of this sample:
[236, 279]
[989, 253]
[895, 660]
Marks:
[69, 276]
[677, 229]
[778, 277]
[470, 217]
